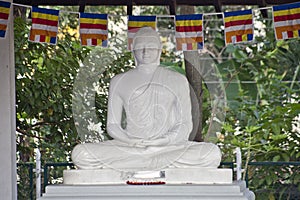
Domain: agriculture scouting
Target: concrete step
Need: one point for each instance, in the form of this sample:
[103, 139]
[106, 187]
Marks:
[234, 191]
[146, 198]
[144, 189]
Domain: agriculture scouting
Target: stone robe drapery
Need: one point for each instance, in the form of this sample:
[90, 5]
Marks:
[150, 126]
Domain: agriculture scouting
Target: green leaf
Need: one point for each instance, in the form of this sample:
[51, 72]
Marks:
[276, 129]
[230, 48]
[279, 137]
[239, 54]
[219, 42]
[286, 157]
[271, 196]
[269, 180]
[276, 158]
[251, 129]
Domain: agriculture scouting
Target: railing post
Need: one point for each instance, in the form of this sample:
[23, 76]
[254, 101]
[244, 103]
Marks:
[31, 180]
[38, 174]
[238, 164]
[45, 175]
[247, 178]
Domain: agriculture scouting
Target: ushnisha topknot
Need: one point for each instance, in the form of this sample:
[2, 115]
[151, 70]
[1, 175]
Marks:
[147, 32]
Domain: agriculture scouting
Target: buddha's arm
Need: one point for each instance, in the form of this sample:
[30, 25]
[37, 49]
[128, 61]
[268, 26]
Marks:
[114, 114]
[183, 117]
[181, 130]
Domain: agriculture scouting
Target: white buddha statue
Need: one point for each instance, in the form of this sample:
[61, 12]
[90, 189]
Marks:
[149, 118]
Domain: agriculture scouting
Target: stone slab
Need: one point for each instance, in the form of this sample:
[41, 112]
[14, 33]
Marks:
[233, 191]
[169, 189]
[92, 177]
[198, 176]
[172, 176]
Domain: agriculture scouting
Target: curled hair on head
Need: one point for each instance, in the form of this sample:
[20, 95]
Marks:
[147, 32]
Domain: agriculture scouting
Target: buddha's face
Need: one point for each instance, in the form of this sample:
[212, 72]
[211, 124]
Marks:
[146, 50]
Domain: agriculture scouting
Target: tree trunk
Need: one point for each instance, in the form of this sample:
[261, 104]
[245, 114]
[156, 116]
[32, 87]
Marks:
[191, 60]
[19, 12]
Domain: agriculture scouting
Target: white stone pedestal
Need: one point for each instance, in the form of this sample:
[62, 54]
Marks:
[181, 184]
[172, 176]
[233, 191]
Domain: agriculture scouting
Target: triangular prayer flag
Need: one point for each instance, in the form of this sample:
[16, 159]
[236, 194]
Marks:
[44, 25]
[238, 26]
[286, 20]
[4, 14]
[189, 33]
[137, 22]
[93, 29]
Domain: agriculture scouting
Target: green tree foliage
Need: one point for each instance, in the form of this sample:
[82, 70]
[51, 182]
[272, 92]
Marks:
[45, 76]
[265, 123]
[44, 82]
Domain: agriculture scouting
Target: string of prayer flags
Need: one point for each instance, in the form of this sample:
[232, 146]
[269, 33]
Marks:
[93, 29]
[4, 14]
[189, 34]
[137, 22]
[286, 20]
[238, 26]
[44, 25]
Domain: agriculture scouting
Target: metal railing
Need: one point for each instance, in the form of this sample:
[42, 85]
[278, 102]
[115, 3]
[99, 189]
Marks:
[46, 170]
[53, 167]
[30, 168]
[278, 163]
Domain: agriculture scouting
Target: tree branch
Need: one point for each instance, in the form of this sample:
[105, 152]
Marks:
[40, 124]
[30, 135]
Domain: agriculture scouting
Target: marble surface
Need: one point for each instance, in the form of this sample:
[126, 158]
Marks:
[233, 191]
[172, 176]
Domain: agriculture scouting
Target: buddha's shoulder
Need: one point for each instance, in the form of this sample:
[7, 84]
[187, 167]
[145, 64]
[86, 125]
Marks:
[172, 73]
[168, 69]
[163, 71]
[122, 75]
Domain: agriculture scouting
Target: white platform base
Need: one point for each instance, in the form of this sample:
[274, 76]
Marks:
[172, 176]
[181, 184]
[233, 191]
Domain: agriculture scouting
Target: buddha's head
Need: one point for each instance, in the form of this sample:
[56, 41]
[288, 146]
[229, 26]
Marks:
[146, 46]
